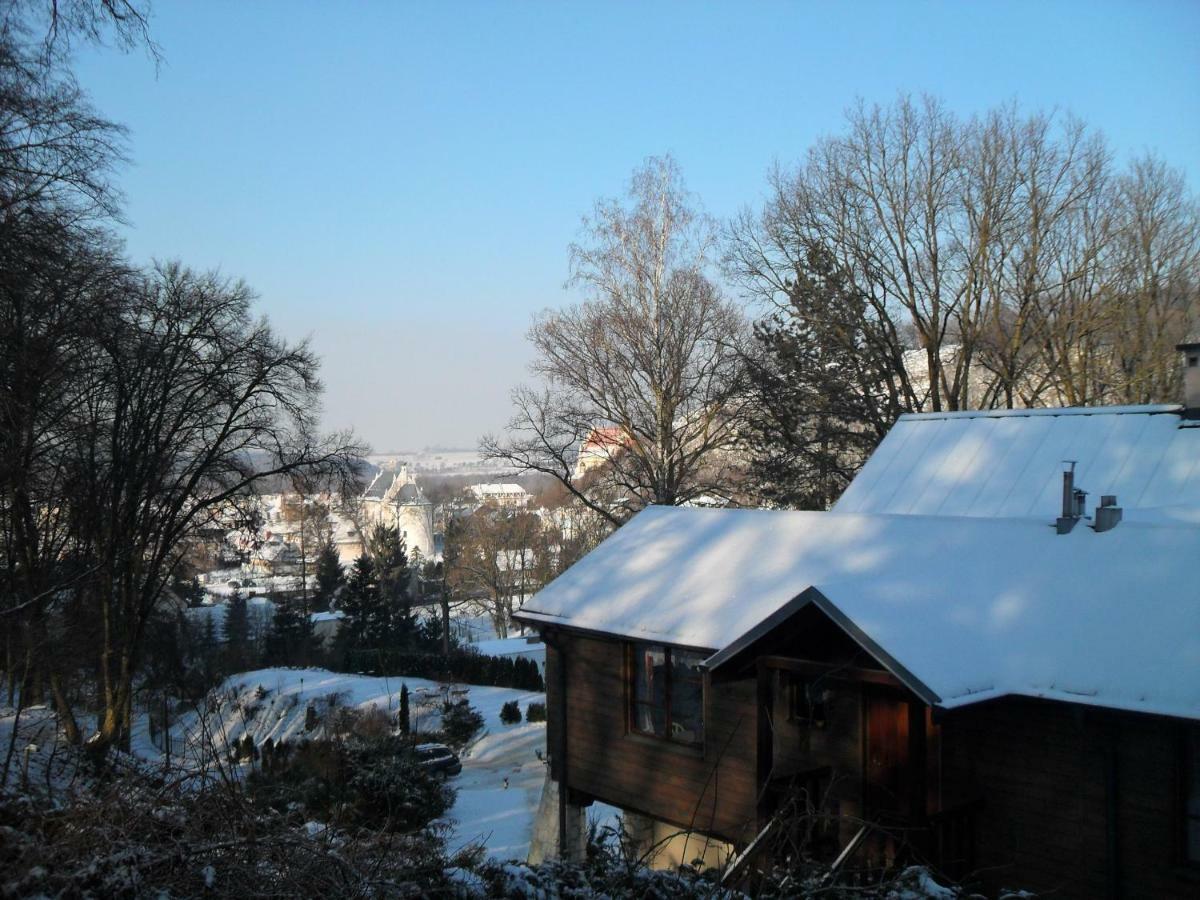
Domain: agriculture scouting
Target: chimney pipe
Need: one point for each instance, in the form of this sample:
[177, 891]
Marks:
[1071, 502]
[1108, 514]
[1191, 374]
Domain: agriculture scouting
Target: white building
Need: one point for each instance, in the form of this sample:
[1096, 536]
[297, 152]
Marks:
[507, 495]
[395, 499]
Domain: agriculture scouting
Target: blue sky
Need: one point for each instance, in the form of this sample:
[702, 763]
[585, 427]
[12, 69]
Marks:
[401, 181]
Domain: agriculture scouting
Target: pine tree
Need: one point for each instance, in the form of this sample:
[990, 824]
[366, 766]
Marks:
[291, 640]
[404, 720]
[359, 604]
[393, 625]
[330, 576]
[823, 397]
[237, 633]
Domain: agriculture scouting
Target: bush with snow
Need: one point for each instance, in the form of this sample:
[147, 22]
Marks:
[368, 782]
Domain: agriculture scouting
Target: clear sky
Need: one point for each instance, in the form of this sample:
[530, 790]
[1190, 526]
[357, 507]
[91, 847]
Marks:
[401, 180]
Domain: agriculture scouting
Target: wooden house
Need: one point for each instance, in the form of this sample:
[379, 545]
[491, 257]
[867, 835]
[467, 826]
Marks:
[965, 662]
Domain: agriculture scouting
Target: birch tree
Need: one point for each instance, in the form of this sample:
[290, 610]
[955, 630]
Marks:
[652, 355]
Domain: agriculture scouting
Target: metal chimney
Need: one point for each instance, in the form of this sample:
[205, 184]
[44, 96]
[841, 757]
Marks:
[1191, 374]
[1108, 514]
[1071, 502]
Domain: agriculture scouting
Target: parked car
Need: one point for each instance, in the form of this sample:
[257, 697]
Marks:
[439, 758]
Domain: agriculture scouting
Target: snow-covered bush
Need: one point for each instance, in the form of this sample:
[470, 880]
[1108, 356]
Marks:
[375, 782]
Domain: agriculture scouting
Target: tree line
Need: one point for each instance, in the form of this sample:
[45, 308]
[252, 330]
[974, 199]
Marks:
[915, 261]
[140, 407]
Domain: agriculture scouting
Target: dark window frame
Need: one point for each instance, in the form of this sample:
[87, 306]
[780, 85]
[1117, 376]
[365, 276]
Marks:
[632, 703]
[807, 704]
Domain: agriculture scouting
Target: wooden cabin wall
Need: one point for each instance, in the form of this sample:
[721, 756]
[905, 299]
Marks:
[711, 790]
[1044, 772]
[838, 744]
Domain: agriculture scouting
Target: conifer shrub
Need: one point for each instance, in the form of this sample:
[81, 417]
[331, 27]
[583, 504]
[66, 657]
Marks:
[510, 713]
[460, 722]
[376, 783]
[535, 712]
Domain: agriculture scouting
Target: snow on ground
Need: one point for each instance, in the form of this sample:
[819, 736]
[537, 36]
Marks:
[487, 811]
[498, 790]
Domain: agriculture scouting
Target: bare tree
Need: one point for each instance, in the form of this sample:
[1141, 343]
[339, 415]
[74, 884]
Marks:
[1156, 280]
[653, 355]
[196, 404]
[994, 261]
[65, 23]
[494, 557]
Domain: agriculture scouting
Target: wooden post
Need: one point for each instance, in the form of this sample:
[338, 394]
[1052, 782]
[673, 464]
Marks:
[166, 733]
[918, 781]
[765, 749]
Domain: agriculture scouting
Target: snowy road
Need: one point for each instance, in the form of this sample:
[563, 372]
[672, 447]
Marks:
[499, 789]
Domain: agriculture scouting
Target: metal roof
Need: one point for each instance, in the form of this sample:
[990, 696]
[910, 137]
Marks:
[1008, 463]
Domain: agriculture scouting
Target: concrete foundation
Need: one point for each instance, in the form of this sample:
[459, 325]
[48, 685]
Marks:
[544, 844]
[665, 846]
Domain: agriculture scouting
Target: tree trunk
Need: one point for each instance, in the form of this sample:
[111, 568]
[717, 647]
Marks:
[66, 716]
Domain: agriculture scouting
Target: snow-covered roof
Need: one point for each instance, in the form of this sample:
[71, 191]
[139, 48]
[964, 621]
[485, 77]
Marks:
[961, 609]
[1009, 462]
[496, 488]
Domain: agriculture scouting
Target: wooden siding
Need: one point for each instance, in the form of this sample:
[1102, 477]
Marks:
[1048, 775]
[711, 790]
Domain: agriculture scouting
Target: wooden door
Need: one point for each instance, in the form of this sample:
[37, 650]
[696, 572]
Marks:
[887, 778]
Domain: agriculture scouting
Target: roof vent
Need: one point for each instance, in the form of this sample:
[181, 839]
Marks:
[1074, 500]
[1191, 374]
[1108, 514]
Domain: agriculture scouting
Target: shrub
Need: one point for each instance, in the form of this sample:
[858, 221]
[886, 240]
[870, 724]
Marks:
[459, 723]
[535, 712]
[510, 713]
[465, 666]
[375, 783]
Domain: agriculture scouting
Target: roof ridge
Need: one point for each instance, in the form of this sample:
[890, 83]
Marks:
[1138, 409]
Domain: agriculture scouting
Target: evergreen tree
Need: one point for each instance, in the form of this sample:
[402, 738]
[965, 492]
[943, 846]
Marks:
[237, 633]
[823, 398]
[291, 641]
[359, 605]
[392, 626]
[404, 717]
[330, 576]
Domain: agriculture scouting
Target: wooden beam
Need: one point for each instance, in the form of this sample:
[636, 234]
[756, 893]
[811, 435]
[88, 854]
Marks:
[832, 671]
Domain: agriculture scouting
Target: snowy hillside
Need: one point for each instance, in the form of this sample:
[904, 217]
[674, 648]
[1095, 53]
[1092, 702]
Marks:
[501, 781]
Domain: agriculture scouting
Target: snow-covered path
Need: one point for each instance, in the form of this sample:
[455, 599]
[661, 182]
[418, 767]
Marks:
[489, 812]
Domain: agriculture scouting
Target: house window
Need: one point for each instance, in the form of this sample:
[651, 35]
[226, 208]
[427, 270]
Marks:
[667, 693]
[805, 701]
[1191, 795]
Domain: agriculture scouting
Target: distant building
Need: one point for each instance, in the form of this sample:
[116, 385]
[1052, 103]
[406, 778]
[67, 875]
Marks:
[395, 499]
[599, 448]
[506, 496]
